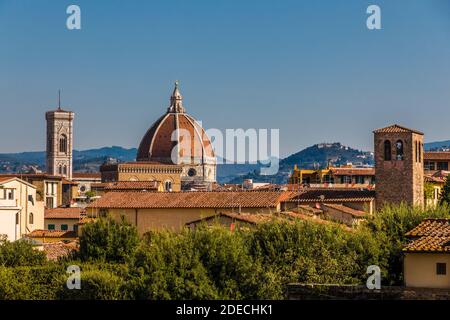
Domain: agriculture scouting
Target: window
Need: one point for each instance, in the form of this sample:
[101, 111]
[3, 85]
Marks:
[63, 143]
[168, 186]
[17, 218]
[192, 172]
[442, 165]
[387, 150]
[399, 149]
[10, 194]
[65, 170]
[441, 268]
[75, 228]
[51, 227]
[420, 151]
[31, 218]
[60, 170]
[49, 202]
[417, 151]
[64, 227]
[430, 165]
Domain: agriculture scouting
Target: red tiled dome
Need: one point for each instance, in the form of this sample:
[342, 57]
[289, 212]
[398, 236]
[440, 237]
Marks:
[194, 146]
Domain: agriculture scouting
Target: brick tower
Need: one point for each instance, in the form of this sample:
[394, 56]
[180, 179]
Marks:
[59, 141]
[398, 166]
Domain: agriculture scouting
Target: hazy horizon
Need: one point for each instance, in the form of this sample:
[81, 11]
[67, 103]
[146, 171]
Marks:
[312, 70]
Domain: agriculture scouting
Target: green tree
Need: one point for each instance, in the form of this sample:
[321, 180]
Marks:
[20, 253]
[445, 193]
[108, 240]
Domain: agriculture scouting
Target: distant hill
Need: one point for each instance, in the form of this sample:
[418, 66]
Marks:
[437, 146]
[83, 161]
[317, 155]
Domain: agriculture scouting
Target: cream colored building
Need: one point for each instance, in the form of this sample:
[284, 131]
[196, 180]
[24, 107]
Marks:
[427, 255]
[20, 212]
[173, 210]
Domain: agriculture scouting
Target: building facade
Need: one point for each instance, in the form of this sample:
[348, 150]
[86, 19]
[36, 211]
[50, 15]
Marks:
[59, 142]
[399, 169]
[20, 212]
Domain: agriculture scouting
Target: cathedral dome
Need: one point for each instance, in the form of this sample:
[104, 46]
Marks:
[176, 138]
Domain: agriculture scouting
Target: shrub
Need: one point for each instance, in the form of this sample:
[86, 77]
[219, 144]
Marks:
[20, 253]
[108, 240]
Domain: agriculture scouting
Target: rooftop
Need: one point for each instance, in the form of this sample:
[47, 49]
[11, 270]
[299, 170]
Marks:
[395, 128]
[195, 199]
[431, 235]
[437, 155]
[334, 195]
[63, 213]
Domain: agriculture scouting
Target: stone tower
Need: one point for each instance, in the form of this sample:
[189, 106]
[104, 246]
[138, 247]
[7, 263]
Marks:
[398, 166]
[59, 141]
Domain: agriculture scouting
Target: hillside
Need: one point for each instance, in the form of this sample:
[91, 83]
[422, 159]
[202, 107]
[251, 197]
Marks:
[317, 155]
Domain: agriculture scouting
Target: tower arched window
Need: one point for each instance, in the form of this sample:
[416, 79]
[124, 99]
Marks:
[387, 150]
[31, 218]
[63, 143]
[60, 171]
[168, 186]
[65, 170]
[399, 149]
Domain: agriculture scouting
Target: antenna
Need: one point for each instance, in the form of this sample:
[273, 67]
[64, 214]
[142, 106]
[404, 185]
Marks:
[59, 99]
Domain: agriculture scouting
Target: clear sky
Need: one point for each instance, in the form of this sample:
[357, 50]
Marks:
[310, 68]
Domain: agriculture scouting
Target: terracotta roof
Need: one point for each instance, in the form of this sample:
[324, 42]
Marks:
[195, 199]
[345, 209]
[56, 250]
[431, 235]
[127, 185]
[353, 171]
[429, 244]
[51, 234]
[333, 195]
[431, 227]
[396, 129]
[243, 217]
[25, 176]
[314, 219]
[307, 209]
[438, 176]
[63, 213]
[87, 175]
[437, 155]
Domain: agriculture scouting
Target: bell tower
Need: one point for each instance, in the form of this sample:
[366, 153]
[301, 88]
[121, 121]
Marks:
[398, 166]
[59, 141]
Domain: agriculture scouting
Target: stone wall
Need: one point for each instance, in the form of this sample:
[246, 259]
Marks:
[359, 292]
[399, 180]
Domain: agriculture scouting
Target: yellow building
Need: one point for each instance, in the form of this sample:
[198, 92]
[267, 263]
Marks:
[20, 211]
[168, 174]
[334, 176]
[427, 255]
[173, 210]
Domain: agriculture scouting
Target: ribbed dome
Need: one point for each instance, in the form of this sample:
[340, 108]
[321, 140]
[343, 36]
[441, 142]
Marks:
[191, 142]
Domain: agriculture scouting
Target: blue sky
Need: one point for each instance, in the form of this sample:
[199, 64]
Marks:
[310, 68]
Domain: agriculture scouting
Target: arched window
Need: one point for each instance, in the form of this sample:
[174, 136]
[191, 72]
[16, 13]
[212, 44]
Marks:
[168, 186]
[399, 149]
[387, 151]
[63, 143]
[65, 170]
[60, 169]
[31, 218]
